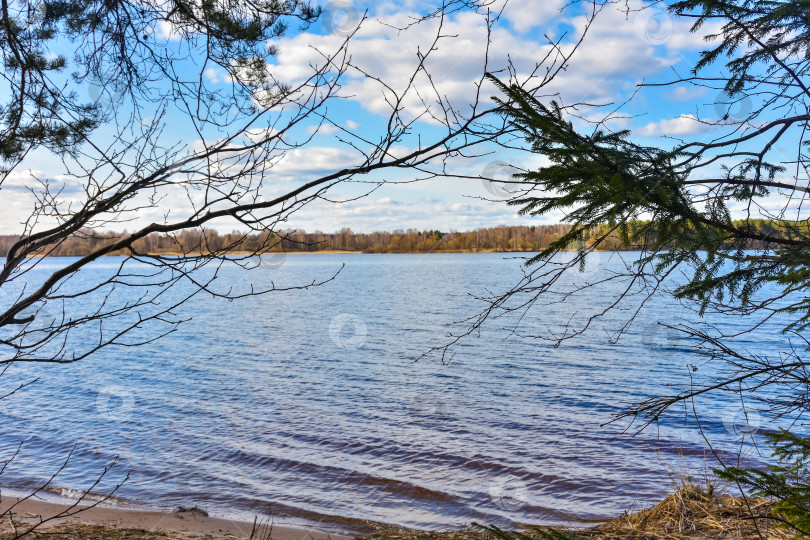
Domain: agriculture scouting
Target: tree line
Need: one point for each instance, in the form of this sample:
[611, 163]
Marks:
[521, 238]
[206, 241]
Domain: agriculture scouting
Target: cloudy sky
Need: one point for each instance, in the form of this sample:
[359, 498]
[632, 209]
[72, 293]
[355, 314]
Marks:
[620, 51]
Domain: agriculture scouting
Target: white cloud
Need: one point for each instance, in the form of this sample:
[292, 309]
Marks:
[685, 93]
[610, 61]
[403, 213]
[323, 129]
[167, 30]
[685, 124]
[619, 52]
[528, 14]
[216, 76]
[304, 163]
[256, 135]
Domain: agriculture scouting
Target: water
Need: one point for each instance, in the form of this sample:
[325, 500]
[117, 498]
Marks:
[308, 405]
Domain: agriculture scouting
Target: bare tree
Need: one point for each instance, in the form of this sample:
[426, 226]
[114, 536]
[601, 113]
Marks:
[158, 138]
[123, 166]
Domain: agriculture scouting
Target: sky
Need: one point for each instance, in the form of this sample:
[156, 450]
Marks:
[621, 50]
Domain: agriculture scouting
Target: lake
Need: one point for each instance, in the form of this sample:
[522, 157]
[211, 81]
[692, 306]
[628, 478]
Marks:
[307, 405]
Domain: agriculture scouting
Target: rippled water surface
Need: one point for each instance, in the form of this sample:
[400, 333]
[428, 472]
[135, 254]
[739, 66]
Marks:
[307, 404]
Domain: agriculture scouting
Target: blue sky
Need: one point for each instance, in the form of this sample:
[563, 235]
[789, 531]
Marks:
[620, 51]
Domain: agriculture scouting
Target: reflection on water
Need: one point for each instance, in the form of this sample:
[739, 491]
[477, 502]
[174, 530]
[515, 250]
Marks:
[308, 404]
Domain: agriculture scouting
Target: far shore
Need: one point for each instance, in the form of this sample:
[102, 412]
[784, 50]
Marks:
[321, 252]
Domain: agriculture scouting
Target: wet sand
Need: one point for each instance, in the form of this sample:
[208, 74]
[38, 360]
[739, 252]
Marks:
[186, 524]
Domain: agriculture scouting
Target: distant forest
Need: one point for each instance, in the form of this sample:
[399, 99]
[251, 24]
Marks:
[502, 238]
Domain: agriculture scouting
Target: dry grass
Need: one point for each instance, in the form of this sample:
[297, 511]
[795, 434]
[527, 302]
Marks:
[693, 513]
[689, 513]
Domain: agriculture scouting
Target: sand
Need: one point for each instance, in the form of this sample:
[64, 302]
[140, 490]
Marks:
[190, 524]
[690, 513]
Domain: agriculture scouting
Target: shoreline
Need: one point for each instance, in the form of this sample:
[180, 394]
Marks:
[691, 511]
[181, 523]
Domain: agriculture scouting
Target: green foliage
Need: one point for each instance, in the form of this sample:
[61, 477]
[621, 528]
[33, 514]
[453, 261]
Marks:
[114, 47]
[603, 181]
[788, 482]
[753, 34]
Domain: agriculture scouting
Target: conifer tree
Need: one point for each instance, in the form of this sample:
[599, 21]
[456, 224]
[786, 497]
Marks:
[674, 200]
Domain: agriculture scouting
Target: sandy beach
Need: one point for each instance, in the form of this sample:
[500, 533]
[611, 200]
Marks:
[189, 524]
[690, 513]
